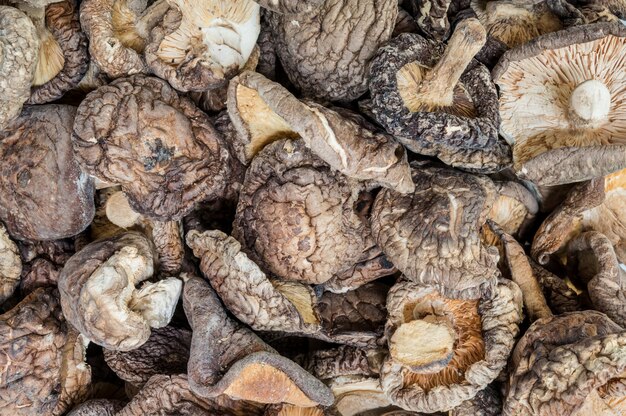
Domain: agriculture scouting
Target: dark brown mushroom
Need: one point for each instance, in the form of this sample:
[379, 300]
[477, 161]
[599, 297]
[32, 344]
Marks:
[97, 407]
[487, 402]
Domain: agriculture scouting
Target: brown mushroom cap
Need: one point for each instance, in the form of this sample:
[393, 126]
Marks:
[10, 266]
[487, 402]
[291, 6]
[44, 194]
[42, 358]
[199, 45]
[20, 46]
[565, 117]
[325, 51]
[438, 102]
[97, 407]
[485, 334]
[433, 235]
[99, 296]
[561, 362]
[159, 147]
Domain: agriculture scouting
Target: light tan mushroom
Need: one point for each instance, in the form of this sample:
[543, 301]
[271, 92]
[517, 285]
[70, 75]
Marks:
[10, 265]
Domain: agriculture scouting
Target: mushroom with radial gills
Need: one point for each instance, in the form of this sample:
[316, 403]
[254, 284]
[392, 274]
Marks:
[598, 205]
[263, 111]
[100, 297]
[433, 235]
[200, 45]
[42, 358]
[325, 51]
[443, 351]
[487, 402]
[228, 358]
[565, 118]
[118, 31]
[10, 266]
[97, 407]
[162, 150]
[44, 193]
[20, 48]
[437, 101]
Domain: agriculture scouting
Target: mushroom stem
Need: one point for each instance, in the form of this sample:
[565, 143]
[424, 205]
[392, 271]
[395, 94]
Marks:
[438, 83]
[590, 102]
[151, 17]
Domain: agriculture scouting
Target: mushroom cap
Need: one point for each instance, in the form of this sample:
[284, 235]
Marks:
[538, 82]
[323, 234]
[486, 330]
[99, 297]
[199, 45]
[20, 47]
[291, 6]
[44, 194]
[463, 135]
[159, 147]
[562, 361]
[487, 402]
[97, 407]
[515, 208]
[10, 266]
[325, 51]
[433, 235]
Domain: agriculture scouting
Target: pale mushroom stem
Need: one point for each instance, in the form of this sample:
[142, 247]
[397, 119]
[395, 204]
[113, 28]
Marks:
[439, 83]
[151, 17]
[590, 102]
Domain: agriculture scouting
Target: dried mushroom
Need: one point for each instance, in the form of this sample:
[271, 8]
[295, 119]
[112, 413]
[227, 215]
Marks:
[44, 193]
[444, 351]
[432, 18]
[515, 208]
[227, 358]
[566, 365]
[100, 297]
[97, 407]
[487, 402]
[326, 50]
[200, 45]
[562, 104]
[42, 358]
[20, 47]
[291, 6]
[163, 151]
[433, 235]
[437, 101]
[263, 111]
[10, 266]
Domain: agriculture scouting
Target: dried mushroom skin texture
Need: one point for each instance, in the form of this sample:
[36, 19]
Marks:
[238, 363]
[263, 111]
[44, 193]
[63, 56]
[344, 360]
[326, 51]
[165, 352]
[433, 235]
[42, 358]
[562, 363]
[10, 266]
[20, 46]
[162, 150]
[432, 18]
[100, 298]
[560, 296]
[291, 410]
[321, 234]
[199, 45]
[515, 208]
[291, 6]
[571, 125]
[487, 402]
[486, 329]
[97, 407]
[437, 101]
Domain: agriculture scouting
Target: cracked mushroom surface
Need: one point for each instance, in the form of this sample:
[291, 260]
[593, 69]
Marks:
[44, 193]
[326, 51]
[567, 365]
[97, 407]
[443, 351]
[200, 45]
[562, 104]
[163, 151]
[42, 358]
[20, 47]
[102, 297]
[10, 265]
[437, 101]
[433, 235]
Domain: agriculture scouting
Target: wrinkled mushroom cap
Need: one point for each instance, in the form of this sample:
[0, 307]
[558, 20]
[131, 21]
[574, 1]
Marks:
[10, 265]
[97, 407]
[565, 118]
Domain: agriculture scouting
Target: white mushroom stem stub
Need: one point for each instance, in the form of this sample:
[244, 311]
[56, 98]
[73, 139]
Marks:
[590, 102]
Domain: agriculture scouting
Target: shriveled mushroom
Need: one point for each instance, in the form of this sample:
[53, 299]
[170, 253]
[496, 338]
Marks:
[20, 47]
[433, 235]
[10, 265]
[291, 6]
[325, 51]
[227, 358]
[263, 111]
[487, 402]
[100, 298]
[444, 351]
[432, 18]
[564, 116]
[291, 410]
[97, 407]
[437, 101]
[162, 150]
[44, 193]
[200, 45]
[42, 358]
